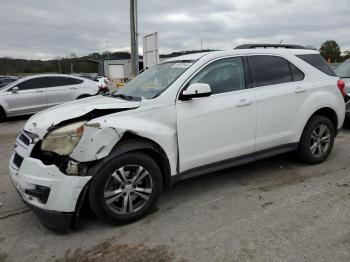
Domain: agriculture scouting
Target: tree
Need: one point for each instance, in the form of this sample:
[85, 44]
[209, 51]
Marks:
[330, 50]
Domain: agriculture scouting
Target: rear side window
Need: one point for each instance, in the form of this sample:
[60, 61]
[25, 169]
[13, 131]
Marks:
[62, 81]
[269, 70]
[316, 60]
[296, 73]
[34, 83]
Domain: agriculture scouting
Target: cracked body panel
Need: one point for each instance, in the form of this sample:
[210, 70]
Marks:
[95, 144]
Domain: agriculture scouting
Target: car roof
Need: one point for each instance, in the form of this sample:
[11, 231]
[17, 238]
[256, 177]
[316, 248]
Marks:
[273, 51]
[46, 75]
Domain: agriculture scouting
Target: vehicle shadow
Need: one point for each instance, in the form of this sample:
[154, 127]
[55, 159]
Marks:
[260, 176]
[17, 118]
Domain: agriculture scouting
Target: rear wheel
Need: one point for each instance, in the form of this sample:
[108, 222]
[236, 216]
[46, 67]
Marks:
[317, 140]
[126, 188]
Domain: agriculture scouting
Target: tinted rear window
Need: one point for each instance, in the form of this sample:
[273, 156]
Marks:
[317, 61]
[296, 73]
[62, 81]
[269, 70]
[343, 70]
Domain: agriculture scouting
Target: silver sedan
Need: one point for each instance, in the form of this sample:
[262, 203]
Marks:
[32, 94]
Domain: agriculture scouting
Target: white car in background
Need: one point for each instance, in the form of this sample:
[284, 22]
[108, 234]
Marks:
[343, 71]
[32, 94]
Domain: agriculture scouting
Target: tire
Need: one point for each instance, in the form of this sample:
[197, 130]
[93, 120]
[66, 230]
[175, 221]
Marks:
[317, 140]
[83, 96]
[2, 115]
[108, 196]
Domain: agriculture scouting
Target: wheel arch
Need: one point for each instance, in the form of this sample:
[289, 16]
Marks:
[2, 110]
[327, 112]
[131, 142]
[83, 96]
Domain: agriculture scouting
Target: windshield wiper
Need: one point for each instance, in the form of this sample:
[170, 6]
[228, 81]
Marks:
[126, 97]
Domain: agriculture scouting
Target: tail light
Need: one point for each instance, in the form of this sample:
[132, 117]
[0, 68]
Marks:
[341, 86]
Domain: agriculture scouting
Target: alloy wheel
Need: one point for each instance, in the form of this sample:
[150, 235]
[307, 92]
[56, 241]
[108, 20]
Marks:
[320, 140]
[128, 189]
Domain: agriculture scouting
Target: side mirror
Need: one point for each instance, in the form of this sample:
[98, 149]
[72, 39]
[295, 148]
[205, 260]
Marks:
[14, 89]
[196, 90]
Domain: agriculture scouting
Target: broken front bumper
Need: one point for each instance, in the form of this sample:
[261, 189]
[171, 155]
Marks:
[52, 195]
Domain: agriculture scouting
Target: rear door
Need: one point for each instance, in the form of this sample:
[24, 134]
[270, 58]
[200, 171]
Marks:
[62, 89]
[279, 89]
[30, 97]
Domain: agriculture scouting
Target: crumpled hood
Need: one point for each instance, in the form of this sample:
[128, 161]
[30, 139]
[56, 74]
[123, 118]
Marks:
[40, 122]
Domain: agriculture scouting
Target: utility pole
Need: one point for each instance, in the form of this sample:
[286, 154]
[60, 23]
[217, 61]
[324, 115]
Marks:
[201, 44]
[59, 66]
[107, 51]
[134, 38]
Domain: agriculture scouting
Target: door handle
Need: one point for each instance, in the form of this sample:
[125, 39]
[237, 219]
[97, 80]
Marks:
[244, 102]
[39, 91]
[73, 88]
[300, 90]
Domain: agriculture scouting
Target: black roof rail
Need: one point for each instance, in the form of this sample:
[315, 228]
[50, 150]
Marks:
[251, 46]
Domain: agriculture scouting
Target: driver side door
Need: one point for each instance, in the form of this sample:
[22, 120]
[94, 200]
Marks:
[220, 128]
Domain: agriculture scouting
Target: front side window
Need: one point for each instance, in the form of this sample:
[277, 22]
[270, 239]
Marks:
[269, 70]
[225, 75]
[152, 82]
[34, 83]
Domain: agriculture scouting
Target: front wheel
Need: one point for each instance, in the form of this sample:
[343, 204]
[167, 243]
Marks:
[317, 140]
[126, 188]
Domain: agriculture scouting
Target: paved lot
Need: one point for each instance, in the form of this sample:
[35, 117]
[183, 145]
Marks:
[272, 210]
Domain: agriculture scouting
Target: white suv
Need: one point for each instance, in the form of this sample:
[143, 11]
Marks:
[186, 116]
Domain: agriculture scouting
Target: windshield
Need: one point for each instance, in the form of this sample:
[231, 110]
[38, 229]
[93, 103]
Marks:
[343, 70]
[152, 82]
[5, 83]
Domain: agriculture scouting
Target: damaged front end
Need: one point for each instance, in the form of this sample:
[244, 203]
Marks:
[50, 165]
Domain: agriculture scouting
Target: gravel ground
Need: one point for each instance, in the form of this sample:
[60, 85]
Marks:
[272, 210]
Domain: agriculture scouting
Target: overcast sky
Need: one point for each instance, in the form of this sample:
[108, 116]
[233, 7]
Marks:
[46, 29]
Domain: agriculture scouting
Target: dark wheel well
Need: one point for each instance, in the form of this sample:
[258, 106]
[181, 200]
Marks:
[83, 96]
[152, 149]
[131, 142]
[329, 113]
[2, 113]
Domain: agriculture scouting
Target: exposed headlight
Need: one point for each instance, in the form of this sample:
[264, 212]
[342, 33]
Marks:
[63, 140]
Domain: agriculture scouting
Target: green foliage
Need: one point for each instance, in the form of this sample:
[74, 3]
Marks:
[85, 64]
[331, 50]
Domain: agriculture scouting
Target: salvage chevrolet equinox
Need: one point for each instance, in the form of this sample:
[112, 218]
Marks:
[184, 117]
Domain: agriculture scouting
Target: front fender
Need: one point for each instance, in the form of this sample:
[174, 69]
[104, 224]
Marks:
[155, 124]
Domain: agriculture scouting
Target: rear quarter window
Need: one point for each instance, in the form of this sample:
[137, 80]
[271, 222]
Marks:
[317, 61]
